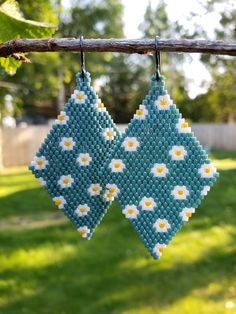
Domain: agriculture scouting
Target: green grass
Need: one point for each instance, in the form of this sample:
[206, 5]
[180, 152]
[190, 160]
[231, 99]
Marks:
[45, 268]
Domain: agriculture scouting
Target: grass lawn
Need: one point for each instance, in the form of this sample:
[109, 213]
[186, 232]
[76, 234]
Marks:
[45, 268]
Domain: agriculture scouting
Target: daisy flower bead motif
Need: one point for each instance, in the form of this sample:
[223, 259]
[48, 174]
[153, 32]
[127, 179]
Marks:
[130, 211]
[62, 118]
[65, 181]
[159, 170]
[178, 153]
[100, 106]
[130, 144]
[84, 159]
[161, 225]
[147, 203]
[186, 213]
[158, 249]
[67, 143]
[59, 201]
[207, 171]
[94, 189]
[84, 232]
[39, 163]
[116, 165]
[82, 210]
[180, 192]
[111, 192]
[183, 126]
[109, 134]
[141, 113]
[79, 97]
[163, 102]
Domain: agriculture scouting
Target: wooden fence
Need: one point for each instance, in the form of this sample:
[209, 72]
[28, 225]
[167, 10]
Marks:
[19, 145]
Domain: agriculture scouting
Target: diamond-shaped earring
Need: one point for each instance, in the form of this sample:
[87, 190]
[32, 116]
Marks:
[69, 160]
[158, 170]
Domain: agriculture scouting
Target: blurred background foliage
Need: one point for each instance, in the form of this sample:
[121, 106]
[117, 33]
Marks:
[41, 88]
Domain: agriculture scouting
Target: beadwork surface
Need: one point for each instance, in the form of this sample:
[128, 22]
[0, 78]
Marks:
[69, 160]
[159, 172]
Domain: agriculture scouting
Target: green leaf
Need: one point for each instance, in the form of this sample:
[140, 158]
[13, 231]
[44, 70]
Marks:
[10, 65]
[13, 25]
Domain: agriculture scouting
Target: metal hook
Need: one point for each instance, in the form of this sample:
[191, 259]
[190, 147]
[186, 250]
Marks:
[158, 60]
[82, 58]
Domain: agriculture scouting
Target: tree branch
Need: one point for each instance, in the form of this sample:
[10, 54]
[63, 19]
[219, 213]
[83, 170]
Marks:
[141, 46]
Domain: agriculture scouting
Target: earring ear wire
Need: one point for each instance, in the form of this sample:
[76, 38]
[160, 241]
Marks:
[158, 60]
[82, 58]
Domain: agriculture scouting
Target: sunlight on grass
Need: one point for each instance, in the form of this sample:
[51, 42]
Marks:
[224, 164]
[36, 257]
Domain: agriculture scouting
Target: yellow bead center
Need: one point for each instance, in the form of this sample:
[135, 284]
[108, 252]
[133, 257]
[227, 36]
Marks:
[162, 225]
[184, 125]
[161, 249]
[117, 166]
[180, 192]
[84, 159]
[67, 143]
[148, 203]
[109, 133]
[101, 105]
[139, 112]
[188, 214]
[82, 209]
[82, 232]
[130, 211]
[163, 102]
[60, 117]
[95, 188]
[40, 162]
[159, 169]
[178, 153]
[66, 181]
[130, 144]
[57, 202]
[207, 170]
[79, 96]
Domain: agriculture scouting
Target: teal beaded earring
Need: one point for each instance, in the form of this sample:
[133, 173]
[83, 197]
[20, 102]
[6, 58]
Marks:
[158, 170]
[68, 162]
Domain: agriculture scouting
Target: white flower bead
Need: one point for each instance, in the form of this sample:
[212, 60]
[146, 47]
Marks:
[161, 225]
[207, 171]
[39, 163]
[94, 189]
[65, 181]
[42, 181]
[116, 165]
[205, 190]
[141, 113]
[67, 143]
[147, 203]
[84, 232]
[178, 152]
[59, 201]
[79, 97]
[163, 102]
[183, 126]
[186, 213]
[84, 159]
[109, 134]
[130, 144]
[100, 106]
[159, 170]
[158, 249]
[82, 210]
[130, 211]
[62, 118]
[180, 192]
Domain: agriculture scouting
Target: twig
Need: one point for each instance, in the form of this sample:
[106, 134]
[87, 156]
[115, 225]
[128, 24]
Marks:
[141, 46]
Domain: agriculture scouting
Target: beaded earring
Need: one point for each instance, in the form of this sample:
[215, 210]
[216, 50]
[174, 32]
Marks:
[69, 160]
[159, 169]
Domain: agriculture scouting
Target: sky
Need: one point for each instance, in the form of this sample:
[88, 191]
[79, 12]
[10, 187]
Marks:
[134, 14]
